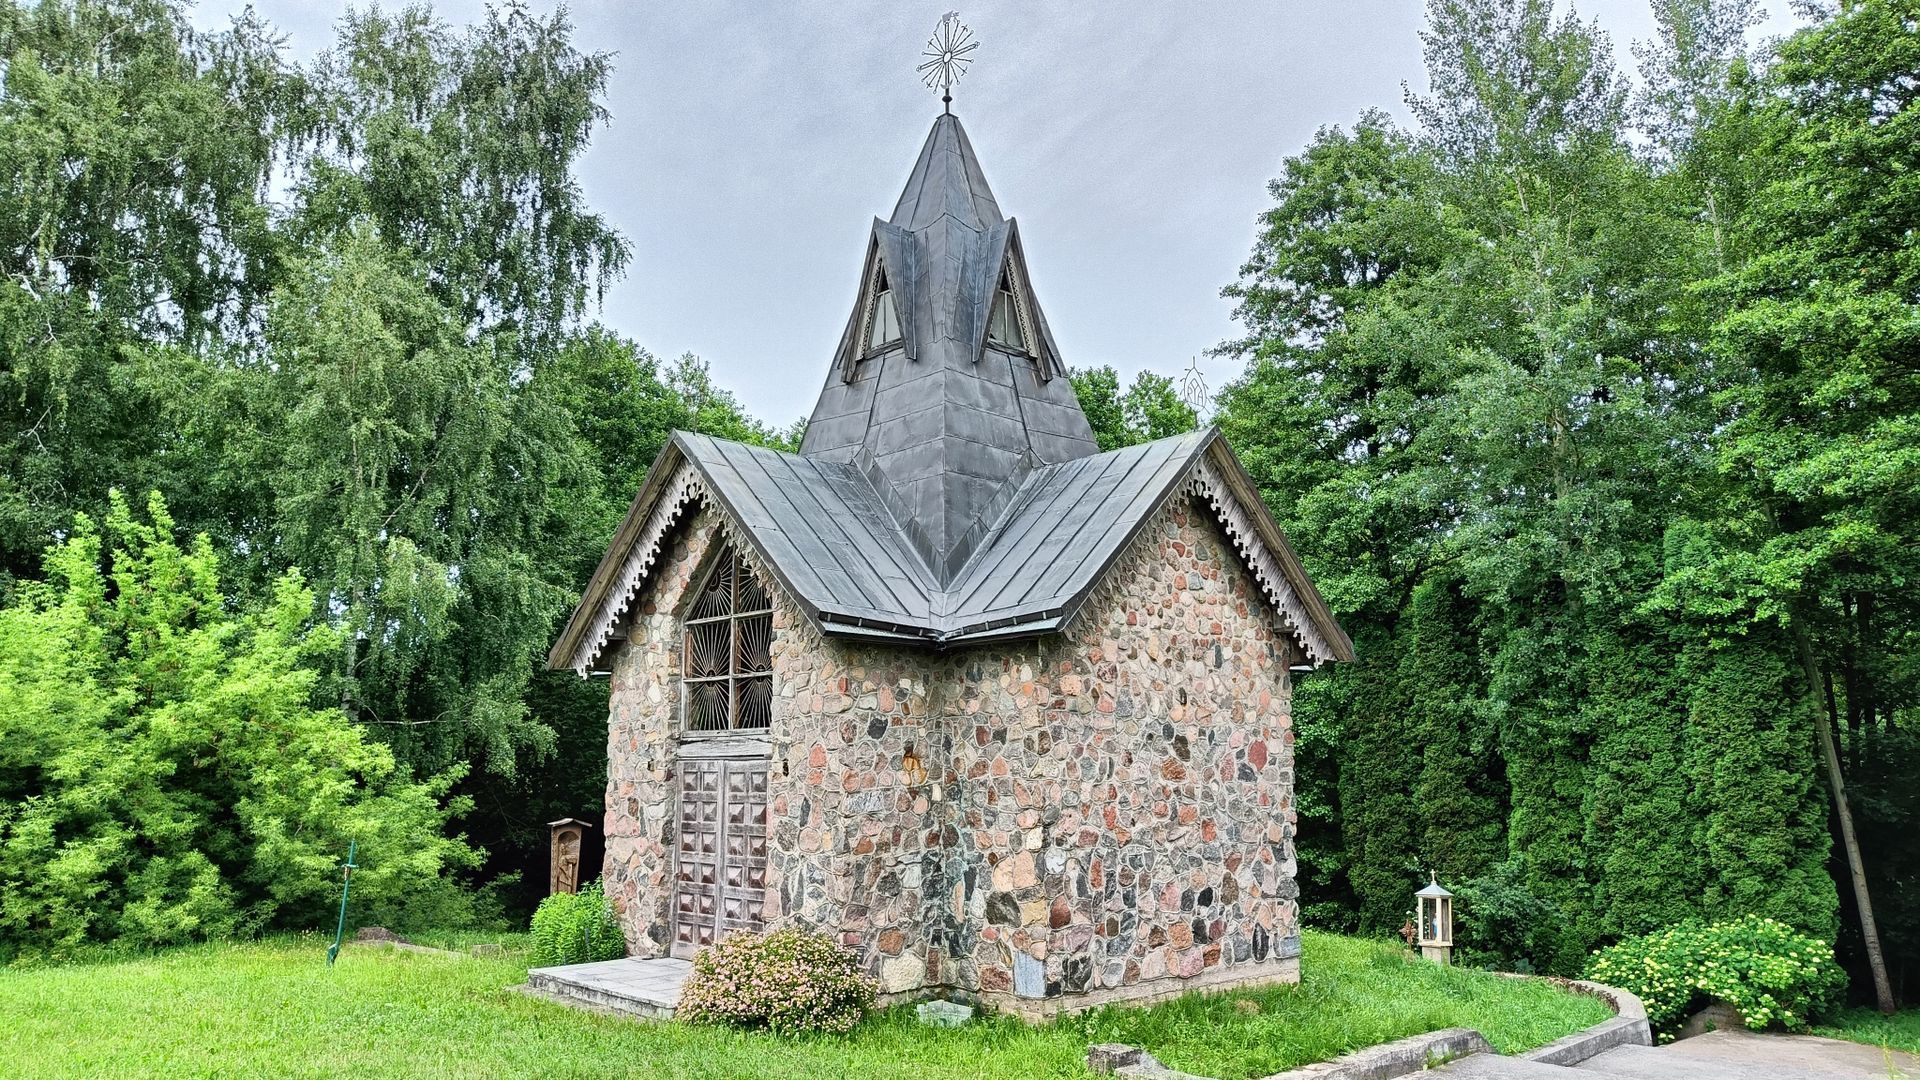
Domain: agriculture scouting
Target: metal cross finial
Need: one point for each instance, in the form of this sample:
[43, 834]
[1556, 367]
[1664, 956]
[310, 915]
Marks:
[947, 58]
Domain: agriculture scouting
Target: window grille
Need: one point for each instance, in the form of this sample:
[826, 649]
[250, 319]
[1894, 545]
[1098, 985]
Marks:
[726, 672]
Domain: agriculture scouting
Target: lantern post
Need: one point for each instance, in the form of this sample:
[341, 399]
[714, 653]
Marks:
[1434, 921]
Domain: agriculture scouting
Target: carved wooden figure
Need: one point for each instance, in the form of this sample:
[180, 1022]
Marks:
[565, 840]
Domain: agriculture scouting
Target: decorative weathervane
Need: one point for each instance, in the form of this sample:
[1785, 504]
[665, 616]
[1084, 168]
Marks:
[947, 58]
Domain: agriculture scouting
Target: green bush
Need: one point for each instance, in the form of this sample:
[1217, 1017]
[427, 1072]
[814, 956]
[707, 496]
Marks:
[576, 928]
[1501, 924]
[164, 774]
[788, 981]
[1773, 974]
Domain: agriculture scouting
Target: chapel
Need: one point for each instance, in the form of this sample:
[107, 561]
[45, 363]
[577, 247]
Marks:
[1005, 715]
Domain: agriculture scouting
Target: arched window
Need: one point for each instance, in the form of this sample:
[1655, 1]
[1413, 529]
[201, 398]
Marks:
[1005, 329]
[727, 652]
[884, 320]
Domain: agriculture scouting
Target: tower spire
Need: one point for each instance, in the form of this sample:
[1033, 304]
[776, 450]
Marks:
[947, 387]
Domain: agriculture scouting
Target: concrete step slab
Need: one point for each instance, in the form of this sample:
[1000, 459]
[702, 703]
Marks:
[1650, 1063]
[1798, 1057]
[645, 988]
[1496, 1067]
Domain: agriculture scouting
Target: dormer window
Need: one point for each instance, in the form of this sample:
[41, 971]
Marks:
[1005, 329]
[884, 320]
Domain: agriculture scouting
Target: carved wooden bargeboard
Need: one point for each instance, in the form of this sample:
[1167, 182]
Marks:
[720, 873]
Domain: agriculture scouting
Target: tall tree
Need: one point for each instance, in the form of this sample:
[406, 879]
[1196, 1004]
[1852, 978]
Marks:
[1821, 400]
[1149, 409]
[334, 310]
[1331, 418]
[460, 147]
[407, 473]
[1476, 393]
[135, 156]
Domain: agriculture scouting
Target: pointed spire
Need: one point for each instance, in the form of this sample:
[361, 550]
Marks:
[948, 418]
[946, 179]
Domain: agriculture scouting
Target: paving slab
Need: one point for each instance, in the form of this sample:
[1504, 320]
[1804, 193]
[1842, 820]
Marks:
[1719, 1055]
[1649, 1063]
[646, 988]
[1799, 1057]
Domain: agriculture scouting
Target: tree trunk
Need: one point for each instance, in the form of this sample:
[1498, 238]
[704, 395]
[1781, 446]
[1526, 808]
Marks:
[1829, 753]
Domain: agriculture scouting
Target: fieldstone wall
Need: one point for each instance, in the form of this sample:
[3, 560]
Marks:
[1134, 775]
[1103, 814]
[642, 721]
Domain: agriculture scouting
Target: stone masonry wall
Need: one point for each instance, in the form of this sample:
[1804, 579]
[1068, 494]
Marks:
[1130, 797]
[642, 718]
[1102, 814]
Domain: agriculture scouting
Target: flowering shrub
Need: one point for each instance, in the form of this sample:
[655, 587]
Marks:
[1772, 973]
[576, 928]
[788, 981]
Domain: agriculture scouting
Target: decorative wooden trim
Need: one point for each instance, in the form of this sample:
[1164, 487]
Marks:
[683, 490]
[1206, 483]
[723, 744]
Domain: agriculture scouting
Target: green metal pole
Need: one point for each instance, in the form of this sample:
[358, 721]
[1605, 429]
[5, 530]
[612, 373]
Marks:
[346, 886]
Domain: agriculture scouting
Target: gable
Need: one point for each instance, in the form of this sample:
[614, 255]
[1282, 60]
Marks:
[1071, 522]
[1240, 535]
[889, 259]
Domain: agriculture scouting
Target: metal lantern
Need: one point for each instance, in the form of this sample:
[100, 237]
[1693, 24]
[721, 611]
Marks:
[1434, 908]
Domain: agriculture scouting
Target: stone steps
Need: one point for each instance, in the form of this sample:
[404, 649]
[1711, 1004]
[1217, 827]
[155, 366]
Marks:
[643, 988]
[1649, 1063]
[1496, 1067]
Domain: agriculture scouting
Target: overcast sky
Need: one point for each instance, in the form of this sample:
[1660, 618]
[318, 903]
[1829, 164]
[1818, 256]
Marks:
[751, 145]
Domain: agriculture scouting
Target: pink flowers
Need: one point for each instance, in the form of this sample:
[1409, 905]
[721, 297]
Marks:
[788, 981]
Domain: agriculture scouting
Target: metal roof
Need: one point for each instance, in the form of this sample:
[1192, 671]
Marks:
[821, 527]
[835, 542]
[946, 417]
[948, 488]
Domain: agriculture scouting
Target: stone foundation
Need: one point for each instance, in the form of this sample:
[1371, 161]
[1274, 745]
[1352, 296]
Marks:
[1103, 814]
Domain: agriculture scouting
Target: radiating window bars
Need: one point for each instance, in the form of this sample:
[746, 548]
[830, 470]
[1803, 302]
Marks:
[726, 672]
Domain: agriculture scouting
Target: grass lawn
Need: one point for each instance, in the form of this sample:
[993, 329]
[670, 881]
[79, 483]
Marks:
[463, 940]
[1901, 1031]
[273, 1008]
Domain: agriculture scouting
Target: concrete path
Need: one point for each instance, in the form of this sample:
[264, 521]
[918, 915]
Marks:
[1718, 1055]
[649, 988]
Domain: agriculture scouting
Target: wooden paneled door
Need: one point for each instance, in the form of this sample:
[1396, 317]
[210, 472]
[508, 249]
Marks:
[720, 868]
